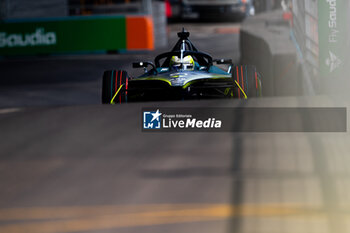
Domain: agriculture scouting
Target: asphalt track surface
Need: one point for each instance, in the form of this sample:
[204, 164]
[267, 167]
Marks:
[69, 164]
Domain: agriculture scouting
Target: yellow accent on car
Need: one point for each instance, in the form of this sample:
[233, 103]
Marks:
[115, 95]
[245, 96]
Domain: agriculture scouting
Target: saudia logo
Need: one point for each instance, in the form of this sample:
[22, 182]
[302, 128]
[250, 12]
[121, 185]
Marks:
[332, 22]
[333, 62]
[38, 38]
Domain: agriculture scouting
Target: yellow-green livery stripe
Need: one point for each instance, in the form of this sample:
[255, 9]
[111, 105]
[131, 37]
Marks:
[115, 95]
[245, 96]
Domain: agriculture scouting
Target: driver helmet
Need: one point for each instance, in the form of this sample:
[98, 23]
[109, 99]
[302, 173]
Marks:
[186, 64]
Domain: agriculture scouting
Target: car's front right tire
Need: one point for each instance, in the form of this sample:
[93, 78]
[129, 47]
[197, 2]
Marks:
[114, 86]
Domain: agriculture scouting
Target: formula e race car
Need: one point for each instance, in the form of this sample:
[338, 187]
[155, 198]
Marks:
[181, 74]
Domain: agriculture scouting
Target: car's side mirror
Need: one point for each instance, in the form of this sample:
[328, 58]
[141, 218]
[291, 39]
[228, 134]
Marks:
[223, 61]
[144, 64]
[139, 64]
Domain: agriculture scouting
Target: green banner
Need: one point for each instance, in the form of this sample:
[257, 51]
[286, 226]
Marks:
[63, 35]
[332, 37]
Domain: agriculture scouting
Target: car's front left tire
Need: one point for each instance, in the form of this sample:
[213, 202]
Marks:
[247, 80]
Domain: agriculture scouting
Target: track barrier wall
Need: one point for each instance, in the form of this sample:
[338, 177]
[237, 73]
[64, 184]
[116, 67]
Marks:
[78, 34]
[313, 48]
[321, 32]
[265, 42]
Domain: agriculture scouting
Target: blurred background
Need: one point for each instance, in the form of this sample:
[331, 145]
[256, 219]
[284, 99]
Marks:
[69, 164]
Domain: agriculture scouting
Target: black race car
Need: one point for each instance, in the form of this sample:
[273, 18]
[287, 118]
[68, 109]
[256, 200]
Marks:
[181, 74]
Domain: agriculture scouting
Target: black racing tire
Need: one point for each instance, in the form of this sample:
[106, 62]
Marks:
[111, 82]
[248, 79]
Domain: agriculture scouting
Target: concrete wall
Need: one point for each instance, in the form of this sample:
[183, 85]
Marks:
[35, 9]
[25, 9]
[265, 42]
[2, 9]
[312, 35]
[266, 5]
[160, 24]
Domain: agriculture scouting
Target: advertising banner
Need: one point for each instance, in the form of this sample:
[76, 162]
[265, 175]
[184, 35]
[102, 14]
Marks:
[242, 120]
[63, 35]
[332, 37]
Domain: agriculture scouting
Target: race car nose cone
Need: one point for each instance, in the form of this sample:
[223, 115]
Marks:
[177, 81]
